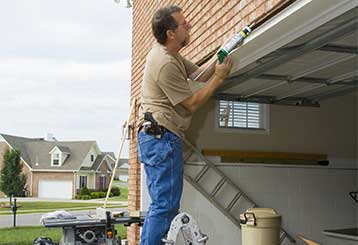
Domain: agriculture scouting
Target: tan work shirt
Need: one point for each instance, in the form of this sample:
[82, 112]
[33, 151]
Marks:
[164, 87]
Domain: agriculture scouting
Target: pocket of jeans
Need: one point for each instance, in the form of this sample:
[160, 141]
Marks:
[152, 151]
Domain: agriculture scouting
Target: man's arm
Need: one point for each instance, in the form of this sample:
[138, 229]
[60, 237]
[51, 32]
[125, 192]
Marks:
[202, 95]
[208, 68]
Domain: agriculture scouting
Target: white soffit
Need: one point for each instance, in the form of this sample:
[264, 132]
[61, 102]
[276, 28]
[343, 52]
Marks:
[293, 22]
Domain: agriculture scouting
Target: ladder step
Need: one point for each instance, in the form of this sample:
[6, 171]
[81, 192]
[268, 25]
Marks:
[188, 155]
[282, 236]
[286, 235]
[201, 173]
[240, 195]
[233, 201]
[218, 186]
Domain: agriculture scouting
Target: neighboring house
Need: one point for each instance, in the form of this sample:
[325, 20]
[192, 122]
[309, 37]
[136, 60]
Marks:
[122, 169]
[3, 148]
[58, 169]
[292, 89]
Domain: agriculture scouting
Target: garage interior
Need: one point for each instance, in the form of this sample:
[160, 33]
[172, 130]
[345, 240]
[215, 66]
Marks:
[301, 156]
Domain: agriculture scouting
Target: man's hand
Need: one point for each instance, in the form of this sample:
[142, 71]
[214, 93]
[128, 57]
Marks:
[223, 70]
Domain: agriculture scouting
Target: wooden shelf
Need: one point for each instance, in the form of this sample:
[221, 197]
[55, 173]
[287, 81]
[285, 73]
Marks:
[268, 157]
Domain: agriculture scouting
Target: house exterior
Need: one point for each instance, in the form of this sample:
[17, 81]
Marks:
[59, 169]
[122, 169]
[297, 48]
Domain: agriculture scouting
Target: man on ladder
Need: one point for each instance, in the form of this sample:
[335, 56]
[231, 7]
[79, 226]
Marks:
[167, 104]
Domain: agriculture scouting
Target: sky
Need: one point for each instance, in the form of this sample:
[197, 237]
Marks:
[65, 70]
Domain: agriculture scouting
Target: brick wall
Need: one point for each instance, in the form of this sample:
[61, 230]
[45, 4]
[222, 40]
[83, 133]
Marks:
[213, 22]
[103, 171]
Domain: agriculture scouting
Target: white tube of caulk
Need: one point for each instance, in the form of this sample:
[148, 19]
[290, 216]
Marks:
[228, 47]
[233, 43]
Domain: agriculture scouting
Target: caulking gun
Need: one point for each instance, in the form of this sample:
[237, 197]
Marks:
[228, 47]
[233, 42]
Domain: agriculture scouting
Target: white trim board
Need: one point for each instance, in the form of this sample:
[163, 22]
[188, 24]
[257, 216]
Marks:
[291, 23]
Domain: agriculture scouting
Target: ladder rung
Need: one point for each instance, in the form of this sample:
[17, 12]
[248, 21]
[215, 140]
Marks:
[286, 235]
[282, 236]
[201, 173]
[218, 187]
[188, 155]
[232, 203]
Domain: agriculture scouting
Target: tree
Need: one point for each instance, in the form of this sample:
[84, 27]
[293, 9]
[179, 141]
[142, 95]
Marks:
[12, 179]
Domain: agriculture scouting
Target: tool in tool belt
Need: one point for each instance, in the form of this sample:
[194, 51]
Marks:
[152, 127]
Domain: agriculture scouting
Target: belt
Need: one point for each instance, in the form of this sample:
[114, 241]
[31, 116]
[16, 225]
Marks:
[142, 128]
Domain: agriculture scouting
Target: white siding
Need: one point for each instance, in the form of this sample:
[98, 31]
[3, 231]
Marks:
[87, 162]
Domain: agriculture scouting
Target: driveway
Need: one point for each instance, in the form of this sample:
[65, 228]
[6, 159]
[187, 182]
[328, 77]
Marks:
[34, 218]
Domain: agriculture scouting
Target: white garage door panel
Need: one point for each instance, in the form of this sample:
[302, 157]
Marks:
[61, 189]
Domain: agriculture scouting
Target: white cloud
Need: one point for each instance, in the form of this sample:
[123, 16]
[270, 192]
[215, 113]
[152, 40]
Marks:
[65, 69]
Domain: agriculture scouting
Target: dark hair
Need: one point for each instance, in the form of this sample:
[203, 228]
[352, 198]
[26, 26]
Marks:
[163, 21]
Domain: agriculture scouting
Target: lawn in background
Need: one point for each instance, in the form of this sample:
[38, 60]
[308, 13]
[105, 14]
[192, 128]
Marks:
[27, 234]
[122, 197]
[50, 206]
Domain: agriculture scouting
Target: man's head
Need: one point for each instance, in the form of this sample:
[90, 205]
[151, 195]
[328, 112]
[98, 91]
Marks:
[169, 25]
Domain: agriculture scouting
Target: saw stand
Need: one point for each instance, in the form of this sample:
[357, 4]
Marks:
[185, 223]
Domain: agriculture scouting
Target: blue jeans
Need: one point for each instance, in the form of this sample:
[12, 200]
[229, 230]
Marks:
[163, 164]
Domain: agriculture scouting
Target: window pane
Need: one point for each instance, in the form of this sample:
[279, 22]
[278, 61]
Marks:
[240, 114]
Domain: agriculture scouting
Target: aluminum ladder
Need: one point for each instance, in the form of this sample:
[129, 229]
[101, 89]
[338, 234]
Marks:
[224, 194]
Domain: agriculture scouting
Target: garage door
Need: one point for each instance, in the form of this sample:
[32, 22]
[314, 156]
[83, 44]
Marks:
[61, 189]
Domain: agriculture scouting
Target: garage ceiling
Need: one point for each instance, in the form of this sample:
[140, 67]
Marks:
[320, 64]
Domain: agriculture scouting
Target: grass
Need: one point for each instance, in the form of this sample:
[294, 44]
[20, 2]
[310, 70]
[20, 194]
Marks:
[122, 197]
[26, 235]
[35, 207]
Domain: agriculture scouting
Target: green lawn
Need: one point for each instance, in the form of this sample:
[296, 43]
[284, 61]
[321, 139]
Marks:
[26, 235]
[51, 206]
[122, 197]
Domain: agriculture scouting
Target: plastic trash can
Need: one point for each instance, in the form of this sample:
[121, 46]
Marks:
[260, 226]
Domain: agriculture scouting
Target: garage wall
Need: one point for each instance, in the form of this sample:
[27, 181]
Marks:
[330, 129]
[310, 199]
[48, 176]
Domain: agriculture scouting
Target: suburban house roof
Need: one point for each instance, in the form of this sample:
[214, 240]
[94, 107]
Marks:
[63, 149]
[36, 152]
[122, 162]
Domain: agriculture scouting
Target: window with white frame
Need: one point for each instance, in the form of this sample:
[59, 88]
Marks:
[242, 115]
[56, 159]
[102, 182]
[83, 181]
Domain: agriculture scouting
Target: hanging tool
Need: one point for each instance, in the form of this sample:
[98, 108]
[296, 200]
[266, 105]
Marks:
[185, 223]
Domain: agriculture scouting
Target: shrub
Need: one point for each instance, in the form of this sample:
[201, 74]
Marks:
[116, 191]
[85, 191]
[94, 195]
[85, 197]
